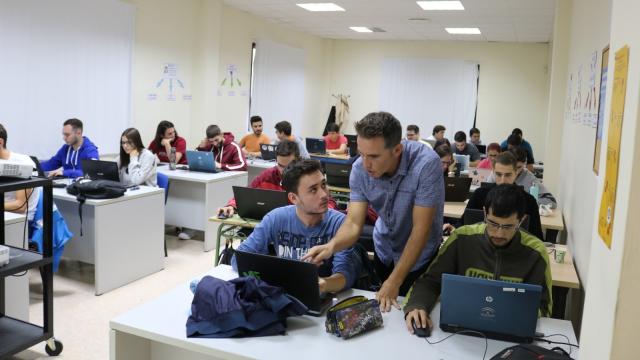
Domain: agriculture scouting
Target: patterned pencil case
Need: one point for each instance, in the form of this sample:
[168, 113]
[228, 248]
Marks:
[353, 316]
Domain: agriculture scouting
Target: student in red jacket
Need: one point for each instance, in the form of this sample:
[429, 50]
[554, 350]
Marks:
[166, 138]
[227, 154]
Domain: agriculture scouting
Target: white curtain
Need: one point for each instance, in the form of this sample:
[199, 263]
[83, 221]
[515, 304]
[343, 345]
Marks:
[428, 92]
[64, 59]
[278, 85]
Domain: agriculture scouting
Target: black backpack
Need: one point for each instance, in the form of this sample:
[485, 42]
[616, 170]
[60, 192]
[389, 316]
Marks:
[94, 189]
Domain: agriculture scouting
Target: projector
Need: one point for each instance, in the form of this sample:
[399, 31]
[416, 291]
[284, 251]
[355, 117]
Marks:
[4, 255]
[17, 170]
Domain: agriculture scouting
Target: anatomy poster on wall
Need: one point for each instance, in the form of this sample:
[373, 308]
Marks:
[608, 202]
[601, 101]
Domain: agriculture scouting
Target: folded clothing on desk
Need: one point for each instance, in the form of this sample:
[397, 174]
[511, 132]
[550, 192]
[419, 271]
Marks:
[242, 307]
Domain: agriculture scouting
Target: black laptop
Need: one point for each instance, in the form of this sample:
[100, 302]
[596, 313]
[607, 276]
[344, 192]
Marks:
[352, 143]
[100, 170]
[256, 203]
[298, 278]
[456, 189]
[268, 151]
[482, 149]
[338, 174]
[316, 146]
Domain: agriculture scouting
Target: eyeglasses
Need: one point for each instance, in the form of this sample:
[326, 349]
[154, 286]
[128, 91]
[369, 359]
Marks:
[492, 155]
[506, 227]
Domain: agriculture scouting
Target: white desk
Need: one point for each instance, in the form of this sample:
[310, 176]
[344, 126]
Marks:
[123, 237]
[157, 330]
[16, 292]
[256, 166]
[195, 196]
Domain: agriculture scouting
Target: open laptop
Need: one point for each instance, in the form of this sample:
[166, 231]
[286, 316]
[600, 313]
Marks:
[256, 203]
[456, 189]
[431, 142]
[298, 278]
[479, 176]
[352, 144]
[501, 310]
[316, 146]
[338, 174]
[268, 151]
[482, 149]
[463, 160]
[201, 161]
[100, 169]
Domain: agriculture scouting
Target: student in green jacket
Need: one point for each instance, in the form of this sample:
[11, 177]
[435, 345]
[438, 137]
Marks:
[496, 249]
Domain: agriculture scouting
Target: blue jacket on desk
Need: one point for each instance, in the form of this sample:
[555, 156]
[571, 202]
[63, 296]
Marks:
[71, 159]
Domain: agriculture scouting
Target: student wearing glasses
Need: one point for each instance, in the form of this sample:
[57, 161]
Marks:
[492, 152]
[137, 165]
[496, 249]
[446, 158]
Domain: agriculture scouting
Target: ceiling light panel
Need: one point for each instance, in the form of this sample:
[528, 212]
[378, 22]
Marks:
[320, 7]
[440, 5]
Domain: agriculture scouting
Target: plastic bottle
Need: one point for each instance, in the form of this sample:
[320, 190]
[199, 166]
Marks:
[534, 190]
[172, 159]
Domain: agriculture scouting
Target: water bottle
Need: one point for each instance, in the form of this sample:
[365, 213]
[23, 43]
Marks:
[172, 159]
[534, 190]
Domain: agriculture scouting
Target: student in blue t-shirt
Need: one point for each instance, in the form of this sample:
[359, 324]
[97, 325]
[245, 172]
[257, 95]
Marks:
[403, 183]
[292, 230]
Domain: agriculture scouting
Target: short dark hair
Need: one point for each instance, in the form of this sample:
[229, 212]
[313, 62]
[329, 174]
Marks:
[474, 130]
[74, 123]
[494, 146]
[296, 170]
[133, 136]
[413, 128]
[333, 127]
[284, 127]
[161, 129]
[288, 148]
[520, 154]
[516, 131]
[437, 129]
[380, 124]
[506, 158]
[439, 143]
[460, 136]
[3, 135]
[514, 140]
[254, 119]
[213, 131]
[443, 150]
[505, 200]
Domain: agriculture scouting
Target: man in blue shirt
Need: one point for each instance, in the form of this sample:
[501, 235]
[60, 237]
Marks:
[67, 161]
[402, 180]
[293, 230]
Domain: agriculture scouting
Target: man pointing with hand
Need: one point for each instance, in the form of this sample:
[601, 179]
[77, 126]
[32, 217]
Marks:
[403, 182]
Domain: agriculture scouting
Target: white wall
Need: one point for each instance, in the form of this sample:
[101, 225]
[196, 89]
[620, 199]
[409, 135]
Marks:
[513, 82]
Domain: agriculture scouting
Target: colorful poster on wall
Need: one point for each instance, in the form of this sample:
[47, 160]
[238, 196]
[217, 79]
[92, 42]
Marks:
[604, 69]
[608, 202]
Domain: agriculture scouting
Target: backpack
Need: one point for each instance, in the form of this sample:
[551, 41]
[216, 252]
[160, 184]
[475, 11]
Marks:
[94, 189]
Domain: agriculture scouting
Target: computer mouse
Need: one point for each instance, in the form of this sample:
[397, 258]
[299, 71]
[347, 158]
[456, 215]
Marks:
[222, 215]
[420, 332]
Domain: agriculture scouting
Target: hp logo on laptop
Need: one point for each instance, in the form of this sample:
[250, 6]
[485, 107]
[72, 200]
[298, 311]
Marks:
[488, 299]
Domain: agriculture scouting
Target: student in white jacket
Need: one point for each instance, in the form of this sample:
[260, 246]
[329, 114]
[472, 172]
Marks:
[137, 165]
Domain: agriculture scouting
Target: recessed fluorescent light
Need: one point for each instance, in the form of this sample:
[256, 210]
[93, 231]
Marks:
[440, 5]
[321, 7]
[360, 29]
[463, 31]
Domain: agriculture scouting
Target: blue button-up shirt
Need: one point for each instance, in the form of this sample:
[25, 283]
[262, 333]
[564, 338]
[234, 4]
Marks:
[418, 181]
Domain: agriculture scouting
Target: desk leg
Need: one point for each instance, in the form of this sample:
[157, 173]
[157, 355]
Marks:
[559, 302]
[219, 235]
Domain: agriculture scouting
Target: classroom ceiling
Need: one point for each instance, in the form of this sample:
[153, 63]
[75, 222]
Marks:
[498, 20]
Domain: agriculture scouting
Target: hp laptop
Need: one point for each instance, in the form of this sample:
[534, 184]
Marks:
[316, 146]
[201, 161]
[456, 189]
[482, 149]
[100, 170]
[256, 203]
[501, 310]
[463, 160]
[298, 278]
[338, 174]
[268, 151]
[352, 144]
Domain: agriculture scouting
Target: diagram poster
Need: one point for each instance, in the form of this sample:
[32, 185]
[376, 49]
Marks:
[601, 101]
[608, 202]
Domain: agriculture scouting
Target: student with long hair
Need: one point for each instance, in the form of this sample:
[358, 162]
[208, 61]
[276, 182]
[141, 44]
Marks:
[137, 165]
[166, 138]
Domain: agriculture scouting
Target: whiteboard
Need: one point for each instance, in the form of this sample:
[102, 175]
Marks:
[64, 59]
